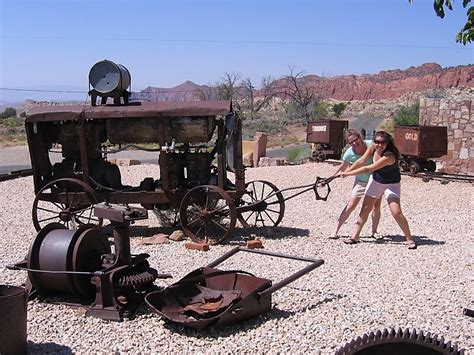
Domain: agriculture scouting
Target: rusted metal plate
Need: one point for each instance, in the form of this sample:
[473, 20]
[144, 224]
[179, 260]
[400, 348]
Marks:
[212, 297]
[422, 141]
[232, 294]
[133, 110]
[194, 129]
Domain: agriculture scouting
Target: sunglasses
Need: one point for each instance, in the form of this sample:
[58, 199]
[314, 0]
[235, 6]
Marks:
[353, 141]
[379, 141]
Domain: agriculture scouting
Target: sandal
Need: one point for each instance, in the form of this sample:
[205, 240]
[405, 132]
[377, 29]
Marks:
[377, 236]
[334, 236]
[351, 241]
[411, 245]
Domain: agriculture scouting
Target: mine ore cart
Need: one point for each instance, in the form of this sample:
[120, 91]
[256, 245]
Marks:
[326, 138]
[200, 177]
[419, 144]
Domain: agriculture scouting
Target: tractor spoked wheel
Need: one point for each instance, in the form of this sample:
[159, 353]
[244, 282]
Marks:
[391, 342]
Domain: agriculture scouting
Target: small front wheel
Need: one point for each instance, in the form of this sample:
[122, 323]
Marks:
[207, 214]
[431, 166]
[414, 167]
[403, 165]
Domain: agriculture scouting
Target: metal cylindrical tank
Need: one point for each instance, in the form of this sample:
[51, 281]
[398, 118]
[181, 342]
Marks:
[12, 320]
[107, 76]
[56, 248]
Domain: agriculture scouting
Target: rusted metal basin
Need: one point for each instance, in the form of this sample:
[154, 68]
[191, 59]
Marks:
[12, 320]
[212, 297]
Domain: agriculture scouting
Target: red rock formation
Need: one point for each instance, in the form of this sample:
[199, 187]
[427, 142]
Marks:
[390, 84]
[386, 85]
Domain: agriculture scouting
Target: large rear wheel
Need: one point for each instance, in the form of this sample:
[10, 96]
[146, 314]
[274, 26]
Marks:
[269, 213]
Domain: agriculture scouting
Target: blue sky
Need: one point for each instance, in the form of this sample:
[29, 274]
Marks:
[52, 44]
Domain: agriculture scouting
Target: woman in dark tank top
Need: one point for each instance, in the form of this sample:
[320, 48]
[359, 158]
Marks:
[384, 180]
[389, 174]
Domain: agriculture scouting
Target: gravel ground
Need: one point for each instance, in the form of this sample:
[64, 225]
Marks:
[360, 288]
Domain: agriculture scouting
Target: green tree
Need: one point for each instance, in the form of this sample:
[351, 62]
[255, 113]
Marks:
[407, 115]
[339, 108]
[9, 112]
[321, 110]
[466, 34]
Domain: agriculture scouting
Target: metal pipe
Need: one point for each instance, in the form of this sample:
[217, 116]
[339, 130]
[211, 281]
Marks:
[15, 267]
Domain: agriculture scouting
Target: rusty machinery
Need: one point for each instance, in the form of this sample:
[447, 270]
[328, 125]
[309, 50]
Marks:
[212, 297]
[201, 177]
[401, 341]
[199, 144]
[109, 79]
[80, 265]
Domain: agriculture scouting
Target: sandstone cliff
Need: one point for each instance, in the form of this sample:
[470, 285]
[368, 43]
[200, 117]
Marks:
[386, 85]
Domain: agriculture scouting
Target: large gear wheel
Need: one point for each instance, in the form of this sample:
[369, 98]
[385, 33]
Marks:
[138, 276]
[391, 342]
[138, 280]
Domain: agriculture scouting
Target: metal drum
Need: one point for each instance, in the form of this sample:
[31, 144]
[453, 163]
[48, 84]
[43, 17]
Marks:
[106, 77]
[56, 248]
[12, 320]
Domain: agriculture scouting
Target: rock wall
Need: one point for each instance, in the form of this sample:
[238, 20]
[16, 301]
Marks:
[456, 113]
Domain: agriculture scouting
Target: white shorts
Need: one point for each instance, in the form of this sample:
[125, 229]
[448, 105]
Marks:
[376, 189]
[358, 190]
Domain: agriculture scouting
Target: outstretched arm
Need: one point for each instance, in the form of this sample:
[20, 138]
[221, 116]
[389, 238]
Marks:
[380, 163]
[342, 167]
[359, 162]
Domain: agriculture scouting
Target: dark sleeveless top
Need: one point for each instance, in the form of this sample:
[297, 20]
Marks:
[389, 174]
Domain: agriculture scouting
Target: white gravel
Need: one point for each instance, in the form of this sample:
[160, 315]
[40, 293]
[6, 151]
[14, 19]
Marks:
[360, 288]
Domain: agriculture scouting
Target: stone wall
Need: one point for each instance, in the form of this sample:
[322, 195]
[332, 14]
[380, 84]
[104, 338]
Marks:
[456, 113]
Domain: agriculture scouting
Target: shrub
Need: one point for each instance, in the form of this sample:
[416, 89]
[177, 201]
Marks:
[387, 126]
[407, 115]
[321, 110]
[298, 153]
[339, 108]
[9, 112]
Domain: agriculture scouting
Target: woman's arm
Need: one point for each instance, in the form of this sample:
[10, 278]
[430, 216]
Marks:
[380, 163]
[359, 162]
[342, 167]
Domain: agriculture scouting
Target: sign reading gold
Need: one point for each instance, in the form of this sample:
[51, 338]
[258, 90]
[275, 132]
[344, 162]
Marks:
[411, 136]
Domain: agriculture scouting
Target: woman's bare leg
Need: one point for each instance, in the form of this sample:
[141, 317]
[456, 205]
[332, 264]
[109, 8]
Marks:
[346, 212]
[395, 208]
[367, 206]
[376, 215]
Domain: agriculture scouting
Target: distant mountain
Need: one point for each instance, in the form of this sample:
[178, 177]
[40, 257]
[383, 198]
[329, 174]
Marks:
[388, 84]
[187, 91]
[391, 84]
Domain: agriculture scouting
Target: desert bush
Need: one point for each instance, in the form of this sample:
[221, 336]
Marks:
[321, 110]
[339, 108]
[387, 126]
[298, 153]
[262, 125]
[9, 112]
[13, 122]
[407, 115]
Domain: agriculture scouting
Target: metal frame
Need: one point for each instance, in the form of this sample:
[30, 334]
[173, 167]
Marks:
[165, 116]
